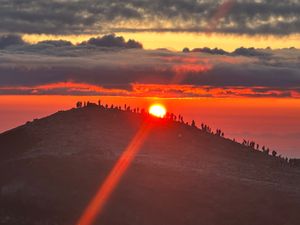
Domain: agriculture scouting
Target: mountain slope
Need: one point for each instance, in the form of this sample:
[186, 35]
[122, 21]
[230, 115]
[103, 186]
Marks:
[51, 168]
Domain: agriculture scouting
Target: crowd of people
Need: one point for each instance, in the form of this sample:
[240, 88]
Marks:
[251, 145]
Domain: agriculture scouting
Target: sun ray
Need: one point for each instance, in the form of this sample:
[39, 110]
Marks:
[96, 205]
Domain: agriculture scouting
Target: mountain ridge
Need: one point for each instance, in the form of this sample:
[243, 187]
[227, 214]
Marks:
[58, 162]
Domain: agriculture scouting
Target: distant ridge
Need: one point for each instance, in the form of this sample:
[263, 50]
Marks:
[51, 168]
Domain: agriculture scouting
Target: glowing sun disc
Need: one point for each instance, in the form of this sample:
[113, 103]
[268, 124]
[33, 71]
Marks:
[157, 110]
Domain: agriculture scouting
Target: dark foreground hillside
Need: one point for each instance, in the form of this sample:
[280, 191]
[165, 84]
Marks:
[52, 167]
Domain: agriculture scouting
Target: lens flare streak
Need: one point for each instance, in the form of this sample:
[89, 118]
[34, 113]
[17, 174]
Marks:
[96, 205]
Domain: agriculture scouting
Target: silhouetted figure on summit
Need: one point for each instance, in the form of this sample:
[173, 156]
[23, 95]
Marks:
[205, 128]
[172, 116]
[79, 104]
[193, 123]
[219, 133]
[179, 118]
[268, 151]
[265, 150]
[91, 104]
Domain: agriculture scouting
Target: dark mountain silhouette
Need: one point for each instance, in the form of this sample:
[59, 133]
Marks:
[50, 169]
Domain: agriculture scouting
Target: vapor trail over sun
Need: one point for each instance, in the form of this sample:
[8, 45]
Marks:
[192, 64]
[222, 11]
[96, 205]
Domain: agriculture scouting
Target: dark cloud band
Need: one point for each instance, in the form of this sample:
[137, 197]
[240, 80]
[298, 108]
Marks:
[111, 65]
[102, 16]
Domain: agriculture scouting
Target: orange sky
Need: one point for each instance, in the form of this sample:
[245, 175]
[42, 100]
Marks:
[172, 90]
[271, 122]
[177, 41]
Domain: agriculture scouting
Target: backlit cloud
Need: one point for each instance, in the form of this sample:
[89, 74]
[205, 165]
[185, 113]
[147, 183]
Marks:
[102, 16]
[58, 67]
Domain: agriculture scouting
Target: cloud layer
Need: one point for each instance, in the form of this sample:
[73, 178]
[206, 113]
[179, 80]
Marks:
[9, 40]
[102, 16]
[111, 66]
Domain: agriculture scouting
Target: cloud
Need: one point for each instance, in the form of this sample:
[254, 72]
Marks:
[250, 52]
[106, 16]
[9, 40]
[215, 51]
[112, 40]
[109, 66]
[54, 43]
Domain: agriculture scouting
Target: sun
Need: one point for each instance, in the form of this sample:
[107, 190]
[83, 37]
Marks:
[157, 110]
